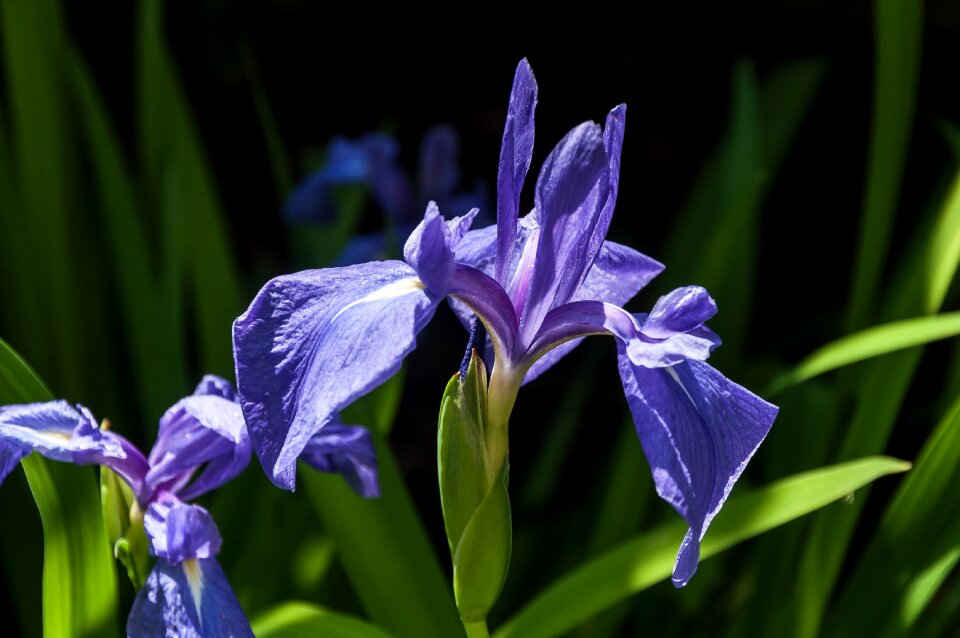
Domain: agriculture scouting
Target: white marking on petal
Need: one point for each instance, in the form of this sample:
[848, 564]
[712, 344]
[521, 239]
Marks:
[195, 580]
[390, 291]
[673, 374]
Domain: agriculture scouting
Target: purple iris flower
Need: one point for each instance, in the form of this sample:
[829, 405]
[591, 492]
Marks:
[202, 443]
[312, 342]
[371, 160]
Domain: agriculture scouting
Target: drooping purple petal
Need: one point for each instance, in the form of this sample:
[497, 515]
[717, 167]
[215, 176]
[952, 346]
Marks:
[439, 163]
[178, 531]
[189, 600]
[516, 151]
[570, 194]
[346, 450]
[312, 342]
[197, 430]
[62, 432]
[698, 431]
[617, 275]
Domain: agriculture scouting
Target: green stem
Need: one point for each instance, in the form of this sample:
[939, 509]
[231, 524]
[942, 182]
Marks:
[476, 629]
[502, 394]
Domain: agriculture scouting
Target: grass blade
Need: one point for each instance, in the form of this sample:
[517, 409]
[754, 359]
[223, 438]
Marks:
[897, 34]
[649, 558]
[869, 343]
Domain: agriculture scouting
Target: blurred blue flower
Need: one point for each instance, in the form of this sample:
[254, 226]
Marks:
[312, 342]
[202, 443]
[371, 161]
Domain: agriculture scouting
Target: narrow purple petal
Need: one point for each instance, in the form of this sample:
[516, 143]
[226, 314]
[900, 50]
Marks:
[613, 130]
[189, 600]
[346, 450]
[484, 296]
[178, 531]
[571, 191]
[439, 162]
[680, 311]
[698, 431]
[617, 275]
[202, 429]
[312, 342]
[516, 151]
[62, 432]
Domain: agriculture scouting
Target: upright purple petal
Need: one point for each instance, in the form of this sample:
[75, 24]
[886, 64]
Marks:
[189, 600]
[613, 130]
[439, 157]
[698, 431]
[62, 432]
[312, 342]
[571, 191]
[178, 531]
[346, 450]
[516, 151]
[430, 248]
[199, 430]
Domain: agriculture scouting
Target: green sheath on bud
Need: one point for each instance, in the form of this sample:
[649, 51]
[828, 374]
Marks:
[123, 522]
[476, 506]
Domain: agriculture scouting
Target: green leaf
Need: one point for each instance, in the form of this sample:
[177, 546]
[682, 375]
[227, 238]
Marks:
[180, 178]
[944, 251]
[79, 578]
[385, 551]
[869, 343]
[303, 620]
[649, 558]
[914, 542]
[482, 556]
[898, 30]
[153, 332]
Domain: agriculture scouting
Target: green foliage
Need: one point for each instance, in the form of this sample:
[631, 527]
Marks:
[302, 620]
[649, 558]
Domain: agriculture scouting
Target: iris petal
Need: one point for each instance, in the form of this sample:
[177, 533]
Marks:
[516, 152]
[312, 342]
[189, 600]
[178, 531]
[347, 450]
[698, 430]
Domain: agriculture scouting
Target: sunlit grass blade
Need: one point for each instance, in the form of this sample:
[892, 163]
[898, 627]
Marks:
[649, 558]
[897, 43]
[149, 327]
[32, 39]
[79, 577]
[303, 620]
[182, 178]
[916, 542]
[385, 552]
[869, 343]
[945, 251]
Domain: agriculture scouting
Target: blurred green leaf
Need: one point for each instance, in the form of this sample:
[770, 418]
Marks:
[79, 577]
[303, 620]
[649, 558]
[898, 30]
[944, 251]
[869, 343]
[32, 38]
[151, 331]
[914, 542]
[180, 177]
[385, 551]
